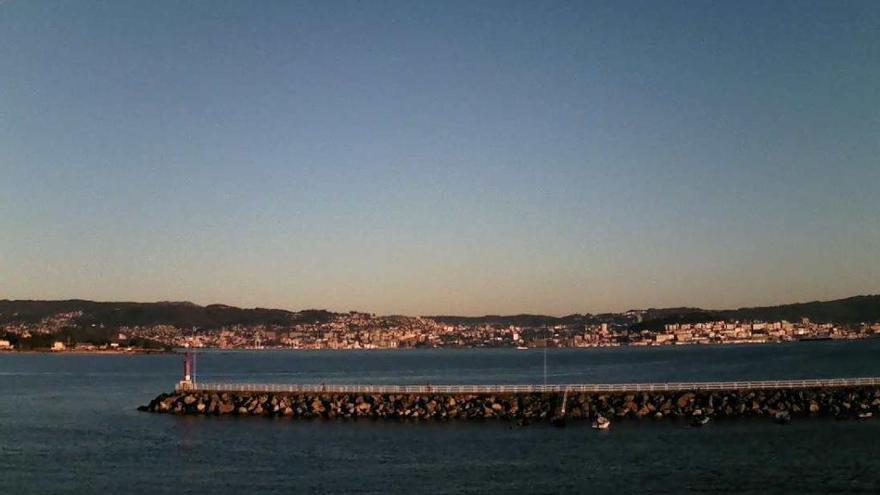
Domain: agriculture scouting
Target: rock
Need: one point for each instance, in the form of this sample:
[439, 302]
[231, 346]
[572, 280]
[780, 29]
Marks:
[167, 403]
[685, 399]
[189, 399]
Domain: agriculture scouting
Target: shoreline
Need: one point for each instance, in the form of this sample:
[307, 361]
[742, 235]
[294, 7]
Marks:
[80, 352]
[179, 350]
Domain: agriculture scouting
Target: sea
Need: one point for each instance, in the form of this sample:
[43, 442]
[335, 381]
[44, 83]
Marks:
[69, 424]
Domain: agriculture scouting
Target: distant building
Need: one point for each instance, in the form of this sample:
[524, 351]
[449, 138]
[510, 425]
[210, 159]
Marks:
[5, 345]
[58, 346]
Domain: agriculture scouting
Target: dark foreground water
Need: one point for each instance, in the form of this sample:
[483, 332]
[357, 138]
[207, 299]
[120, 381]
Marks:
[68, 425]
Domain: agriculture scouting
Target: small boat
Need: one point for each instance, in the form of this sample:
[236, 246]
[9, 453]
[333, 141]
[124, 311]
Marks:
[601, 423]
[866, 415]
[521, 348]
[700, 420]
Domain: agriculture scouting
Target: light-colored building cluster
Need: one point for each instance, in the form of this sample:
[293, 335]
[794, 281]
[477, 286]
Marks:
[739, 332]
[356, 330]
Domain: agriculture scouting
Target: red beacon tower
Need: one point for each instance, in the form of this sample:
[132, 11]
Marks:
[189, 372]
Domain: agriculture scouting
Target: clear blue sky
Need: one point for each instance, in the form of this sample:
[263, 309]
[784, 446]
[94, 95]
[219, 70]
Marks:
[440, 157]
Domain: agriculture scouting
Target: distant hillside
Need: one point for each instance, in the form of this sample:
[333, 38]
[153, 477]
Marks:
[850, 310]
[187, 315]
[523, 320]
[527, 320]
[179, 314]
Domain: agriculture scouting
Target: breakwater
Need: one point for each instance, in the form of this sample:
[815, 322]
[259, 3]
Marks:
[429, 403]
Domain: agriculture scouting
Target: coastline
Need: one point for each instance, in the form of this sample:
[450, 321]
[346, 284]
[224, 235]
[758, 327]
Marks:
[91, 352]
[177, 350]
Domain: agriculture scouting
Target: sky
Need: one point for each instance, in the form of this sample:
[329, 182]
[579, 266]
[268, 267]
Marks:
[450, 157]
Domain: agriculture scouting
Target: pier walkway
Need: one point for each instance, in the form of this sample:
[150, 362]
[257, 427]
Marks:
[530, 389]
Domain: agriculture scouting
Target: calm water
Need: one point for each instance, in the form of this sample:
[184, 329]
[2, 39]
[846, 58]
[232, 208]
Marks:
[68, 425]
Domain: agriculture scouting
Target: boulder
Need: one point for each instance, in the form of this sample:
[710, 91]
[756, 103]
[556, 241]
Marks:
[685, 399]
[167, 403]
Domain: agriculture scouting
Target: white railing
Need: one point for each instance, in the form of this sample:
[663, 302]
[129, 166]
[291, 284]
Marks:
[521, 389]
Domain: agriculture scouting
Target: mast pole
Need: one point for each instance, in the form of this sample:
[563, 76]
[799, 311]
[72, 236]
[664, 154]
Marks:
[545, 356]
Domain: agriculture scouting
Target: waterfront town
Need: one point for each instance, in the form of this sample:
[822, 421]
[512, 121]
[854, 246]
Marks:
[64, 332]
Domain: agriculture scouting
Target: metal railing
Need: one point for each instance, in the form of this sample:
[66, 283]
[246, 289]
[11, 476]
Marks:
[530, 389]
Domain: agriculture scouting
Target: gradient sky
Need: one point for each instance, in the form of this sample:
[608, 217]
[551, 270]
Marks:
[440, 157]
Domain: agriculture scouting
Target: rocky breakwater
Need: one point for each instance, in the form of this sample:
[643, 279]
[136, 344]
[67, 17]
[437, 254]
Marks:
[841, 403]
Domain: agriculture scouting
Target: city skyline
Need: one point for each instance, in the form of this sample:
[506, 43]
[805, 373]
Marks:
[420, 159]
